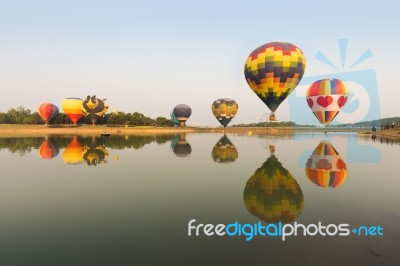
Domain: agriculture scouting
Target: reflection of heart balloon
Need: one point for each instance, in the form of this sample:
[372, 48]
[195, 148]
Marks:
[325, 98]
[273, 71]
[325, 167]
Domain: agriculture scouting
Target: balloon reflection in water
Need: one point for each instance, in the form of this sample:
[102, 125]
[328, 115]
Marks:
[73, 152]
[272, 194]
[95, 152]
[224, 151]
[49, 149]
[325, 167]
[180, 146]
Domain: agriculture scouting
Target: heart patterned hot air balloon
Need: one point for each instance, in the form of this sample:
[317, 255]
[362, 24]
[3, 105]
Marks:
[272, 194]
[326, 97]
[325, 167]
[224, 110]
[94, 108]
[273, 71]
[182, 113]
[48, 111]
[73, 109]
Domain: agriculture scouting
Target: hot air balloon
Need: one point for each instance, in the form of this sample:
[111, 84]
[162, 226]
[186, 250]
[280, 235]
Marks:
[325, 167]
[95, 152]
[180, 146]
[73, 109]
[273, 71]
[272, 194]
[224, 110]
[326, 97]
[174, 121]
[73, 152]
[48, 150]
[94, 108]
[224, 151]
[182, 112]
[48, 111]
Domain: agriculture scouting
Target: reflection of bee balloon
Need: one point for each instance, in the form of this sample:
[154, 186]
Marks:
[73, 152]
[325, 167]
[180, 146]
[272, 194]
[48, 150]
[224, 151]
[95, 153]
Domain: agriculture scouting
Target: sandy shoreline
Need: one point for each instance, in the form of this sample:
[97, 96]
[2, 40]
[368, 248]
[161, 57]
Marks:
[42, 130]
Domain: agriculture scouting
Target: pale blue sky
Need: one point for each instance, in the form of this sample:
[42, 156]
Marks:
[148, 56]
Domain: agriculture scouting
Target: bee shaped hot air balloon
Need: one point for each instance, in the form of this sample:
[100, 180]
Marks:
[48, 112]
[73, 152]
[94, 108]
[326, 97]
[182, 113]
[49, 149]
[325, 167]
[180, 146]
[73, 109]
[273, 71]
[224, 151]
[272, 194]
[95, 152]
[224, 110]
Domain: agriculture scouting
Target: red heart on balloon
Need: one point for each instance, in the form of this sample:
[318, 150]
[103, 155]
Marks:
[342, 101]
[324, 101]
[310, 102]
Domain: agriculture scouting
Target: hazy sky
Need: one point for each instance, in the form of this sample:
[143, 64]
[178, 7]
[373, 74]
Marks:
[148, 56]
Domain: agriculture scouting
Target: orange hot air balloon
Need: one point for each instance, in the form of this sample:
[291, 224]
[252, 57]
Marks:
[73, 153]
[48, 150]
[73, 109]
[48, 111]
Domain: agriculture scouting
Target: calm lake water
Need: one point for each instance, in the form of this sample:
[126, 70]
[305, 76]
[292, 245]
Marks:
[127, 200]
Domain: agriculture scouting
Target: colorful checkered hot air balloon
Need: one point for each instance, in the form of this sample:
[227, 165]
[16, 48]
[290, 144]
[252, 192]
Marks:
[48, 111]
[224, 151]
[94, 108]
[49, 149]
[272, 194]
[73, 109]
[325, 167]
[224, 110]
[182, 113]
[273, 71]
[326, 97]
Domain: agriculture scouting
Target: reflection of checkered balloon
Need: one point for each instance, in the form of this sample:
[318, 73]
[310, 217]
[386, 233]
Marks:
[273, 71]
[272, 194]
[224, 110]
[224, 151]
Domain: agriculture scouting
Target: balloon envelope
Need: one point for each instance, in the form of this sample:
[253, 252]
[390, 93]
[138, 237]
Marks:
[224, 110]
[73, 109]
[326, 97]
[224, 151]
[325, 167]
[94, 108]
[48, 150]
[182, 113]
[48, 111]
[273, 71]
[272, 194]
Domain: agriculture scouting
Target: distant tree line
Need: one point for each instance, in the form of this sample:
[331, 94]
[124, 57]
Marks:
[273, 124]
[22, 115]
